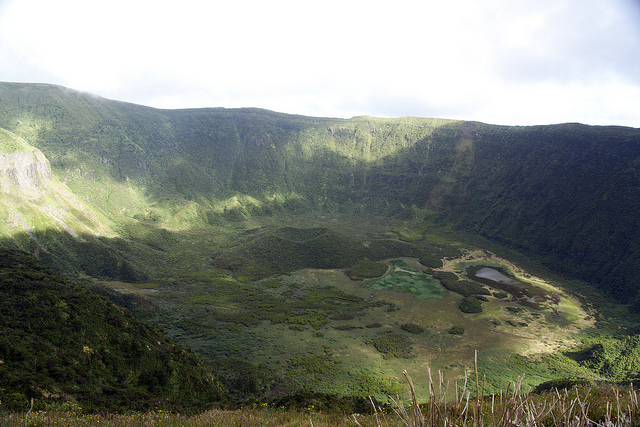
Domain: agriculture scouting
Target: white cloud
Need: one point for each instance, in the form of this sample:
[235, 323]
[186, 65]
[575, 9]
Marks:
[508, 62]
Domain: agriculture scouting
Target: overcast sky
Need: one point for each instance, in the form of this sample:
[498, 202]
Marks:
[512, 62]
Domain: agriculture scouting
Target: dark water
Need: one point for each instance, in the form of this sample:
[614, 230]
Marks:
[524, 293]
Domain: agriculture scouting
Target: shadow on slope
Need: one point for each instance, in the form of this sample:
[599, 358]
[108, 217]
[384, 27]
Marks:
[566, 194]
[287, 249]
[61, 343]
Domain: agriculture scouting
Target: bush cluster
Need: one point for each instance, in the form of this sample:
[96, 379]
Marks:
[394, 345]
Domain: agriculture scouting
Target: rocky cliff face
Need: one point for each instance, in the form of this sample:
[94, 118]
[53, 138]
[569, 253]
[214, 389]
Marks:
[33, 200]
[24, 170]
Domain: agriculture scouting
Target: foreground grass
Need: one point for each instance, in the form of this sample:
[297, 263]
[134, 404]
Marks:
[461, 403]
[248, 417]
[580, 406]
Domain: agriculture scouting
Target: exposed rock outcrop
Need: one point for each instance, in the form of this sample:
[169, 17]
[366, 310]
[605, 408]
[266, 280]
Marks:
[24, 170]
[33, 199]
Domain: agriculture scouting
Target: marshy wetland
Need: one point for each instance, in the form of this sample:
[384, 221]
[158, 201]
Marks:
[354, 335]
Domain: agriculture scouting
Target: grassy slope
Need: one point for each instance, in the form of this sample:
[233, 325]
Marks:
[34, 200]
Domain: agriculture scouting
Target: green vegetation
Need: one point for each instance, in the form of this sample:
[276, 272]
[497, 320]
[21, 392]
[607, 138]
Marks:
[617, 360]
[289, 249]
[195, 168]
[456, 330]
[569, 401]
[412, 328]
[394, 345]
[243, 380]
[500, 294]
[561, 384]
[10, 143]
[365, 269]
[297, 254]
[470, 305]
[403, 278]
[463, 287]
[563, 194]
[60, 343]
[580, 404]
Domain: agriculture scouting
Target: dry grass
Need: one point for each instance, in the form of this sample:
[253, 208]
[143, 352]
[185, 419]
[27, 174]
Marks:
[248, 417]
[569, 408]
[578, 407]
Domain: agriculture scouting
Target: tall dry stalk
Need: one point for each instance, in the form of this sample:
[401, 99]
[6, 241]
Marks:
[416, 418]
[509, 408]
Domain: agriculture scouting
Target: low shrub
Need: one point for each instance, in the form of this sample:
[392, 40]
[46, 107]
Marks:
[560, 384]
[465, 288]
[326, 402]
[343, 315]
[470, 305]
[365, 269]
[412, 328]
[431, 260]
[500, 294]
[394, 345]
[516, 324]
[456, 330]
[346, 327]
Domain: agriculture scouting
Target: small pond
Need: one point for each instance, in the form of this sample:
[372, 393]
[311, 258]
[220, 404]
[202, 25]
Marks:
[524, 293]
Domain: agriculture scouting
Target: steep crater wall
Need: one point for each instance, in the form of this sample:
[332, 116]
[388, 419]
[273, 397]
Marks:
[566, 194]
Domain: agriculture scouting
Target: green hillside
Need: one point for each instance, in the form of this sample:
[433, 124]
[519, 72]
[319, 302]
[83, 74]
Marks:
[34, 199]
[567, 194]
[61, 343]
[321, 254]
[564, 193]
[221, 159]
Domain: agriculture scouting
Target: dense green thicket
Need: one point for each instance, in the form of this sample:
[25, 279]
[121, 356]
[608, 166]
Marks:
[617, 360]
[394, 345]
[470, 305]
[366, 269]
[565, 193]
[288, 249]
[244, 380]
[60, 342]
[463, 287]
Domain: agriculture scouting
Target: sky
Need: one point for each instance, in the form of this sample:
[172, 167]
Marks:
[509, 62]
